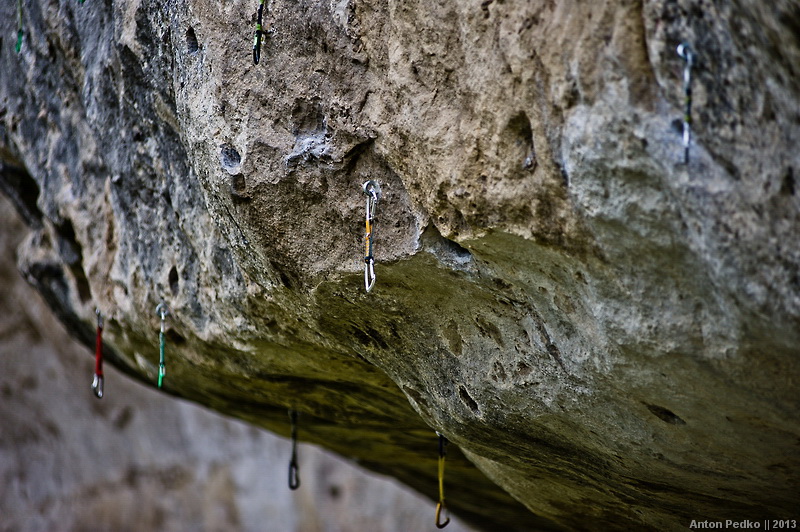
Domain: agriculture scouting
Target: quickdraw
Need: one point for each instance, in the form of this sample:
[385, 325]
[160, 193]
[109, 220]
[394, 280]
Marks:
[373, 191]
[20, 33]
[440, 506]
[294, 473]
[97, 382]
[162, 311]
[259, 33]
[687, 54]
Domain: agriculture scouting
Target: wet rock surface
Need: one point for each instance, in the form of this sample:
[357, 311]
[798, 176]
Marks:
[610, 336]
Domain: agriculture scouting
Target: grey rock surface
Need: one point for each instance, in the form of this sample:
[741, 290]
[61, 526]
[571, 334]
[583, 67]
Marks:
[137, 460]
[609, 335]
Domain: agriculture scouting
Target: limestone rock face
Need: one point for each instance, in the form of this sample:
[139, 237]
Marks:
[609, 336]
[139, 460]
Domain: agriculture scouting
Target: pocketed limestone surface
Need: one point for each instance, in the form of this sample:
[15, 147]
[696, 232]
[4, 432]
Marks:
[609, 337]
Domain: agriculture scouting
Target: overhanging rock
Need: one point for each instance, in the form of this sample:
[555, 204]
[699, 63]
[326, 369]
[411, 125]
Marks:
[608, 334]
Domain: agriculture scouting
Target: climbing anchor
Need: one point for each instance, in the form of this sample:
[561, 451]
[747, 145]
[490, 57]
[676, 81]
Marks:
[162, 311]
[373, 191]
[259, 33]
[687, 54]
[294, 473]
[20, 33]
[440, 506]
[97, 382]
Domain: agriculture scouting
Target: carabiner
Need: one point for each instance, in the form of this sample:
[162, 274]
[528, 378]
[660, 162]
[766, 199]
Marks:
[97, 381]
[373, 191]
[687, 54]
[97, 385]
[369, 273]
[259, 33]
[439, 507]
[162, 310]
[20, 32]
[294, 473]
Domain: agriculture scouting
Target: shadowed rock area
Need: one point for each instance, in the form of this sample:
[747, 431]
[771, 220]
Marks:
[608, 336]
[138, 460]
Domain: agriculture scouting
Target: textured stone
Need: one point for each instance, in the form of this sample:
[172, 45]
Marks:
[137, 460]
[609, 335]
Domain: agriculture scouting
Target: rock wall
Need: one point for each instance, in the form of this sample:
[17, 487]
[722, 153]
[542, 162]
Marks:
[137, 460]
[609, 335]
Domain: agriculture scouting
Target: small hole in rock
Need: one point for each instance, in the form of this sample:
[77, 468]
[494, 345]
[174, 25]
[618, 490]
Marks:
[667, 416]
[286, 279]
[788, 184]
[173, 280]
[519, 137]
[230, 158]
[192, 45]
[468, 400]
[238, 185]
[175, 338]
